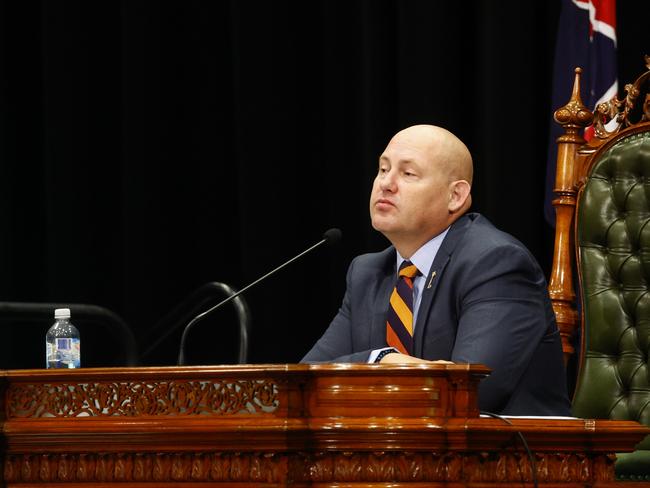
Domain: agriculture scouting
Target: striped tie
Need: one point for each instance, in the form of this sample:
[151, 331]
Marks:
[399, 327]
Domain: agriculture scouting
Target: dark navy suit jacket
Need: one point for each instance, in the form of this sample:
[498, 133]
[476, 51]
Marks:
[484, 301]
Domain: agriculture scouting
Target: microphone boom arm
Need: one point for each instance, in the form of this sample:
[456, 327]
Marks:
[201, 316]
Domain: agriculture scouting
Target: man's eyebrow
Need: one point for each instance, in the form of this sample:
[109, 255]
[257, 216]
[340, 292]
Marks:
[383, 157]
[386, 159]
[405, 161]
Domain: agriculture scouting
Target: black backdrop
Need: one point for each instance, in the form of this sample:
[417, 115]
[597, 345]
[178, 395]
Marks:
[150, 147]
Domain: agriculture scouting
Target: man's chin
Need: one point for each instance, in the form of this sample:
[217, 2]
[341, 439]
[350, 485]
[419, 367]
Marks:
[386, 228]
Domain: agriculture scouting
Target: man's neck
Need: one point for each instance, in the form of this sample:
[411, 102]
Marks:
[408, 247]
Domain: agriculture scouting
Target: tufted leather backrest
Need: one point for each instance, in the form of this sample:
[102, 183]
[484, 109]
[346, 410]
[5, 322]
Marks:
[613, 240]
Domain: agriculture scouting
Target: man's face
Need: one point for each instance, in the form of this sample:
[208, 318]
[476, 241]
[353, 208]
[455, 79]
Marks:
[410, 196]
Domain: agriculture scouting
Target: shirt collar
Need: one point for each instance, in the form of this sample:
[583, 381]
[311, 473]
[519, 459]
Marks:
[423, 257]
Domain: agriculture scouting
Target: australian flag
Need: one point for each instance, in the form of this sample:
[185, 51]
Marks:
[586, 38]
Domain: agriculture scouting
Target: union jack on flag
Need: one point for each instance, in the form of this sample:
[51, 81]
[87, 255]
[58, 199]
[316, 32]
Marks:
[586, 38]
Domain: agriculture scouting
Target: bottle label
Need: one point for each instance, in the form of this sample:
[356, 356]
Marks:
[63, 352]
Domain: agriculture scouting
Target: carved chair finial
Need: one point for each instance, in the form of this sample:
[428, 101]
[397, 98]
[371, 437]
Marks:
[574, 115]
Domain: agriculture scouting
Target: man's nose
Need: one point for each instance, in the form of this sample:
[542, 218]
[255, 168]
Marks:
[387, 182]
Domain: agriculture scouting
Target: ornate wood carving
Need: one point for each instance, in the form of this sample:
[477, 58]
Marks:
[136, 398]
[622, 110]
[318, 467]
[145, 467]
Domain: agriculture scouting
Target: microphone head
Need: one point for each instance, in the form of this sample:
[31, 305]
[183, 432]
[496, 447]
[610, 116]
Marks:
[332, 236]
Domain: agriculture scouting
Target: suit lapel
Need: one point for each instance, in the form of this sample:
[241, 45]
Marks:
[435, 275]
[380, 309]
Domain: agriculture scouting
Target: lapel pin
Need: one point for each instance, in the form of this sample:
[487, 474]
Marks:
[433, 275]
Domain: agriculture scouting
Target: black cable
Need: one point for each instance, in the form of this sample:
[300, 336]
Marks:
[531, 458]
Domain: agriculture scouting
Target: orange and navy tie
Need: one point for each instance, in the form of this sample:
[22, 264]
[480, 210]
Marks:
[399, 326]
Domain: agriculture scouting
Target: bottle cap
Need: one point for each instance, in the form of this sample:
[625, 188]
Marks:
[62, 313]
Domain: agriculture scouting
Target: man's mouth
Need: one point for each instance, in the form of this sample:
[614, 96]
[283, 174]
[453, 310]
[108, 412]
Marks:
[384, 203]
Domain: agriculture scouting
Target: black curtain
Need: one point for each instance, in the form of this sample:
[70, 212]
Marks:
[150, 147]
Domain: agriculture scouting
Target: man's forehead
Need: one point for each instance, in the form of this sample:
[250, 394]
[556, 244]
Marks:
[407, 150]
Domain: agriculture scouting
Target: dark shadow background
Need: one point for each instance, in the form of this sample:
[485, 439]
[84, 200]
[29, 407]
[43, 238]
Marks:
[150, 147]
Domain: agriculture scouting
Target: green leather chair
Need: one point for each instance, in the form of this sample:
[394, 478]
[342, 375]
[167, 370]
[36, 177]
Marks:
[613, 238]
[611, 181]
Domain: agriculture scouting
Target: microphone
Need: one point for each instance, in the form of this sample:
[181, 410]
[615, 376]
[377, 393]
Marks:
[330, 237]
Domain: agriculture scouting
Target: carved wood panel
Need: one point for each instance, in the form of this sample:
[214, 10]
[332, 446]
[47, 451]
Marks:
[137, 398]
[319, 467]
[145, 467]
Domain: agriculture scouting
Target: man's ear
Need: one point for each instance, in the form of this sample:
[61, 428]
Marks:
[459, 195]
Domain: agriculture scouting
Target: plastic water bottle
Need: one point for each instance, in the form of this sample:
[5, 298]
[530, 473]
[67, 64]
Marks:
[62, 342]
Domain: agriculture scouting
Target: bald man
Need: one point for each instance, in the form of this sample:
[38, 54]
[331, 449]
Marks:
[477, 294]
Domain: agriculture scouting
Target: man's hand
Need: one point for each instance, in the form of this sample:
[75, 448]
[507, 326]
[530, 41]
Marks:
[397, 358]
